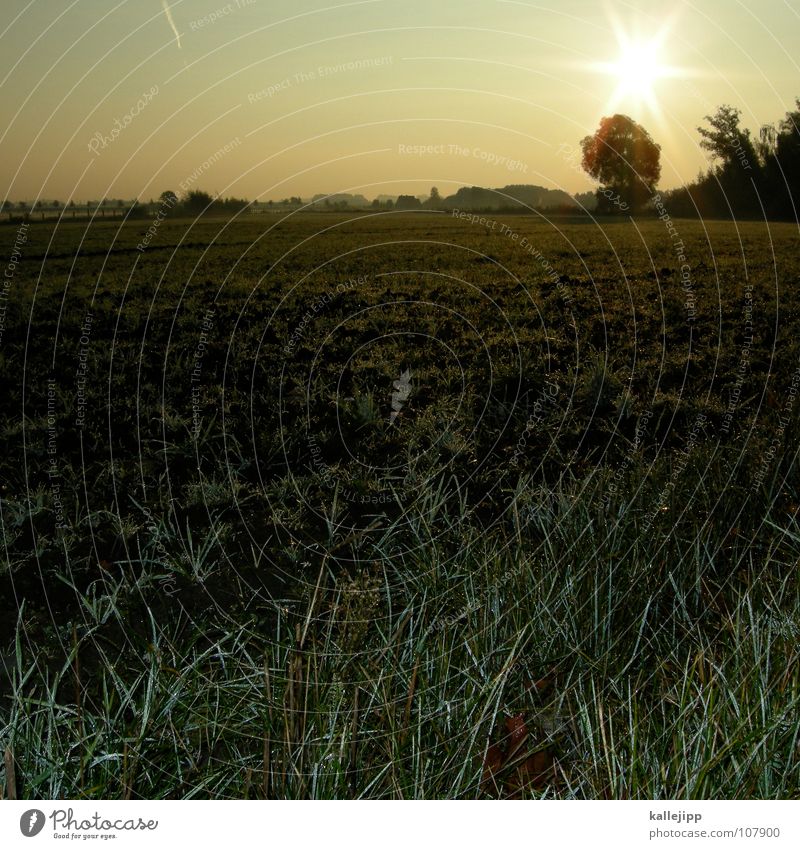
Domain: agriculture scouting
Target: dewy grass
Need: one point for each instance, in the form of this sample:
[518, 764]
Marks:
[258, 588]
[673, 658]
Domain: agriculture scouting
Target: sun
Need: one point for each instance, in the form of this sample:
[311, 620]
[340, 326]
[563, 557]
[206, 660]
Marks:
[638, 69]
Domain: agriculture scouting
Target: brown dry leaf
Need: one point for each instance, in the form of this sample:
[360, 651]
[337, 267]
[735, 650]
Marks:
[522, 771]
[517, 735]
[517, 732]
[533, 773]
[542, 686]
[492, 764]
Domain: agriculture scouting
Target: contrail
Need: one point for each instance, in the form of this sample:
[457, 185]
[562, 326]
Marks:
[165, 7]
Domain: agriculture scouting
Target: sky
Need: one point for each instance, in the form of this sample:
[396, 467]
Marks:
[274, 98]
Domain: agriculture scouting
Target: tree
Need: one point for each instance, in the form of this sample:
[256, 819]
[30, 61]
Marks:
[137, 209]
[780, 153]
[435, 199]
[625, 160]
[767, 140]
[233, 204]
[197, 201]
[726, 141]
[168, 198]
[408, 202]
[738, 170]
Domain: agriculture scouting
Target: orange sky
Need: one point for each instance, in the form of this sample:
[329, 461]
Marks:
[267, 98]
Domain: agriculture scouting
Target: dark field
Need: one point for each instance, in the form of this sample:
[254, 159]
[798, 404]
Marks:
[401, 505]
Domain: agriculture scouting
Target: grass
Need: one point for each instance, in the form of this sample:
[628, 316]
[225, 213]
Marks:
[562, 530]
[671, 660]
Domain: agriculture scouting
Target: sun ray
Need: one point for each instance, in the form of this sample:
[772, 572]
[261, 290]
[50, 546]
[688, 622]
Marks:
[638, 68]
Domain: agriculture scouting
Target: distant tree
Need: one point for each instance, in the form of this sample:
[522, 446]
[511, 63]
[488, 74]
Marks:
[22, 205]
[56, 204]
[767, 141]
[376, 204]
[168, 197]
[408, 202]
[623, 157]
[197, 201]
[234, 204]
[738, 167]
[138, 210]
[434, 201]
[787, 143]
[588, 200]
[725, 140]
[120, 204]
[781, 167]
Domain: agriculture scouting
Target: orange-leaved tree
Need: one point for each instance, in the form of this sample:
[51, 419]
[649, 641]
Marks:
[626, 161]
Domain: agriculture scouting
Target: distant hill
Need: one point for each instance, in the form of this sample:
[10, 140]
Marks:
[340, 200]
[520, 197]
[477, 197]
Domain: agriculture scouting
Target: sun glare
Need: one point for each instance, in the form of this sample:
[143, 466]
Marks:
[638, 68]
[637, 72]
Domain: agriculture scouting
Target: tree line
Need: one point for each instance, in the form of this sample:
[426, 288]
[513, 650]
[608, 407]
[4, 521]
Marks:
[747, 177]
[750, 177]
